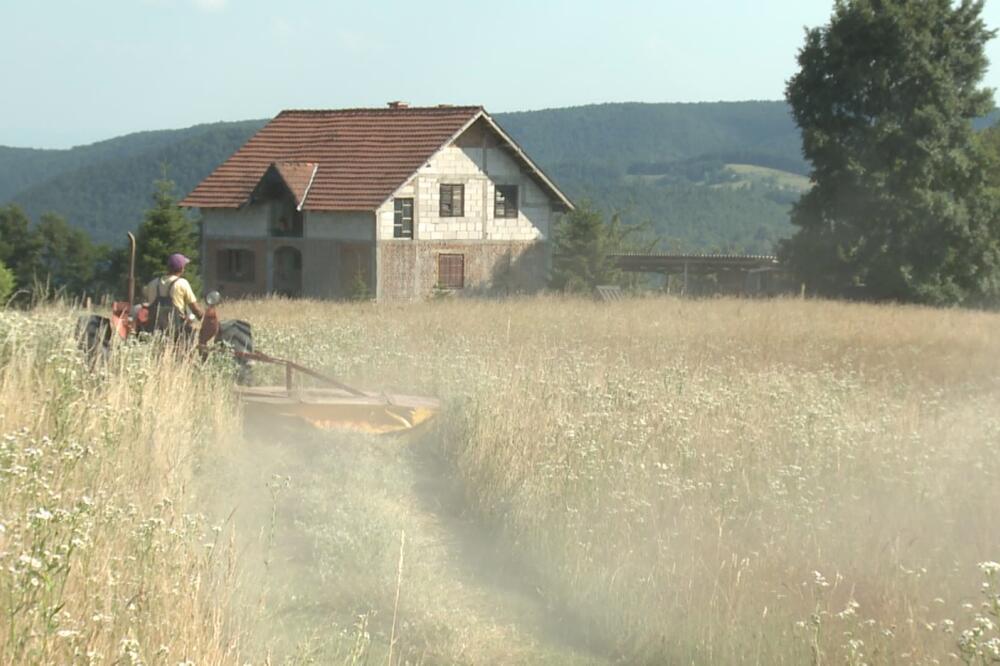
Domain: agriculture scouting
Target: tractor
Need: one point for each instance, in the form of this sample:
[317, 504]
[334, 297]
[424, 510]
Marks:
[97, 333]
[333, 405]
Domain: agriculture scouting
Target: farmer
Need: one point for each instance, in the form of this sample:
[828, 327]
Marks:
[170, 298]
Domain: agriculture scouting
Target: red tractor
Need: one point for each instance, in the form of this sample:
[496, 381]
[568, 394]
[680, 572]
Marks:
[332, 405]
[97, 333]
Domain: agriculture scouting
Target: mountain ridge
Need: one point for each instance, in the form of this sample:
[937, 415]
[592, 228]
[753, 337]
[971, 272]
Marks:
[589, 150]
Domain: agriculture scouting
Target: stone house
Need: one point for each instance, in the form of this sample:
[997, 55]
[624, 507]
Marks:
[397, 202]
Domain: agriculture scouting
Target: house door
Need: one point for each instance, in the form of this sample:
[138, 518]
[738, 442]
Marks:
[288, 272]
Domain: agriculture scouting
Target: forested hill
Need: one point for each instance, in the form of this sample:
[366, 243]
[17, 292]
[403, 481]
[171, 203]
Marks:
[618, 136]
[708, 175]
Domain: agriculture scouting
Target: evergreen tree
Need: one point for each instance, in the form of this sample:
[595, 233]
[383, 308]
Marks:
[885, 98]
[582, 249]
[164, 231]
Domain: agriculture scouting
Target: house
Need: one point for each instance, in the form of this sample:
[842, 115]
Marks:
[395, 202]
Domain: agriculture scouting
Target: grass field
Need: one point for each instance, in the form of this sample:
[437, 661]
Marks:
[719, 481]
[754, 174]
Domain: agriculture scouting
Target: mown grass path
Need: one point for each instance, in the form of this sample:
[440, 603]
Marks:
[322, 574]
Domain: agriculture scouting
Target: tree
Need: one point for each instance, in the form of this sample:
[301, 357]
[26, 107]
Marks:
[885, 98]
[20, 246]
[164, 231]
[582, 249]
[6, 284]
[68, 257]
[989, 139]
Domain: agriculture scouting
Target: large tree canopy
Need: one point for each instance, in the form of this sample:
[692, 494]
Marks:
[900, 205]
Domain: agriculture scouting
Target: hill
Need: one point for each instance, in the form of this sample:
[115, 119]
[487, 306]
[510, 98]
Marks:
[106, 195]
[708, 176]
[590, 151]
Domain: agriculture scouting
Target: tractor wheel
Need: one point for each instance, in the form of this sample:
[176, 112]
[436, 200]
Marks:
[93, 336]
[237, 335]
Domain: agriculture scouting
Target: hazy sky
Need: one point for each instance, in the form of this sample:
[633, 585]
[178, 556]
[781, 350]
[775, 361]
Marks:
[76, 71]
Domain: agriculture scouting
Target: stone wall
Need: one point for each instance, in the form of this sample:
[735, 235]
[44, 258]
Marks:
[408, 270]
[476, 161]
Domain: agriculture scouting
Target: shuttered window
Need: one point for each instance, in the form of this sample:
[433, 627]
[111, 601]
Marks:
[402, 226]
[505, 201]
[235, 265]
[452, 201]
[451, 271]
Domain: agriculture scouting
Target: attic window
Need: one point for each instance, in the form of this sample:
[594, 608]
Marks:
[452, 201]
[505, 201]
[287, 224]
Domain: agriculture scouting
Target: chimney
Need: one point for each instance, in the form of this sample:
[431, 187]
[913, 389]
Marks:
[398, 105]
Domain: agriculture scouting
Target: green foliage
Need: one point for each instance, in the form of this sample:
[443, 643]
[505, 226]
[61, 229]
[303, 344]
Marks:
[359, 287]
[6, 284]
[20, 246]
[164, 231]
[616, 136]
[51, 253]
[582, 247]
[68, 257]
[663, 163]
[694, 217]
[104, 187]
[989, 141]
[588, 150]
[885, 98]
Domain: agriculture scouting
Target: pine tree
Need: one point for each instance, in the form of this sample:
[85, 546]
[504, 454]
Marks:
[583, 246]
[885, 97]
[164, 231]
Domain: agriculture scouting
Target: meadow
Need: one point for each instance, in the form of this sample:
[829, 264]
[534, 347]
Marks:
[652, 481]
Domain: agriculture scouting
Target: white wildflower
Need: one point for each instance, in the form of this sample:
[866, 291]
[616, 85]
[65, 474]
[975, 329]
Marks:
[30, 562]
[990, 568]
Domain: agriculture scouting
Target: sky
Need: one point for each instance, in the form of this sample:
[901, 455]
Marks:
[78, 71]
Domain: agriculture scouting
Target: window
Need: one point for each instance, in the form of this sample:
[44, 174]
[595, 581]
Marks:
[235, 265]
[452, 200]
[287, 224]
[451, 271]
[402, 223]
[505, 201]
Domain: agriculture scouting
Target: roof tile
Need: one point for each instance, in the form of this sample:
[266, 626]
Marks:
[389, 144]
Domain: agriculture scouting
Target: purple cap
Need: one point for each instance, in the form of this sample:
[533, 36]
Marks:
[177, 262]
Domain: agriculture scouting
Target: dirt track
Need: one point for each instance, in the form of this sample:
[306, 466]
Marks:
[328, 561]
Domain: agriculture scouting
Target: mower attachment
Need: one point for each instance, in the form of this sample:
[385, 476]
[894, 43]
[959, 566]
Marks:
[336, 406]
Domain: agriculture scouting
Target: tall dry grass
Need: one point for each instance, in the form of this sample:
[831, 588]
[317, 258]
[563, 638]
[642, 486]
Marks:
[712, 481]
[687, 481]
[105, 555]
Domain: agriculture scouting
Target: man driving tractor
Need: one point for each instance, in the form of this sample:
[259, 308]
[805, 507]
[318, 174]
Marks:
[170, 298]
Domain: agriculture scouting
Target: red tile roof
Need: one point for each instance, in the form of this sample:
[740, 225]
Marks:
[298, 176]
[363, 155]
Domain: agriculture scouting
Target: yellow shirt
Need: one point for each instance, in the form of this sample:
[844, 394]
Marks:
[182, 294]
